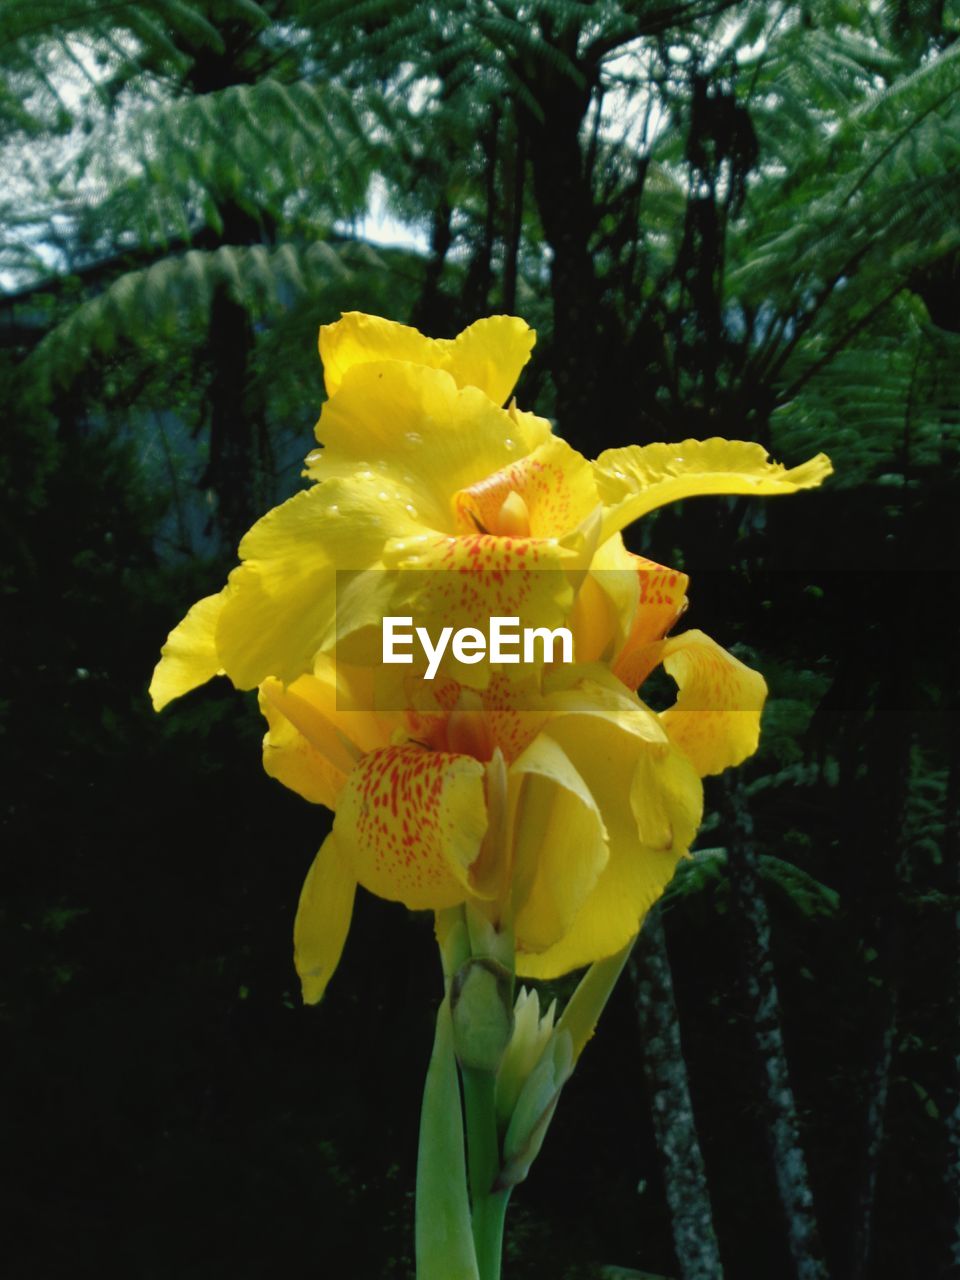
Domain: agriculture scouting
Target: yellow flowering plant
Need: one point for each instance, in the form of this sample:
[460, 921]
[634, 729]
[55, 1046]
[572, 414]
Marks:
[538, 809]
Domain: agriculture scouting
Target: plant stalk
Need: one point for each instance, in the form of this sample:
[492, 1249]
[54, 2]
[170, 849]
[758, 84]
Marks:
[483, 1163]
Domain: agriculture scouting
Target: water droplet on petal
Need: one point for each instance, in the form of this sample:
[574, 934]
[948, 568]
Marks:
[413, 438]
[383, 495]
[332, 509]
[411, 510]
[509, 445]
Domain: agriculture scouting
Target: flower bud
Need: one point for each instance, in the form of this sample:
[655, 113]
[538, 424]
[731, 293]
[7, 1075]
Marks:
[534, 1110]
[482, 1013]
[530, 1035]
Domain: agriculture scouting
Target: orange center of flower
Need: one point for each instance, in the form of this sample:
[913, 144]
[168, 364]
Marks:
[493, 508]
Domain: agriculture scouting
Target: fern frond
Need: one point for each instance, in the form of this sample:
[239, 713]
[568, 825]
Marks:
[156, 304]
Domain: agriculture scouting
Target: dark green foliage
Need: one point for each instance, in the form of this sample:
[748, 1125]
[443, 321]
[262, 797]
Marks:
[770, 251]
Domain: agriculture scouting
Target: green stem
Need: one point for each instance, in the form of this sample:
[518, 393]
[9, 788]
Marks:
[489, 1207]
[488, 1219]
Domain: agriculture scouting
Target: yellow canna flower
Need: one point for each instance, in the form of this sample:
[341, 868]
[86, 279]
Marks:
[421, 468]
[554, 802]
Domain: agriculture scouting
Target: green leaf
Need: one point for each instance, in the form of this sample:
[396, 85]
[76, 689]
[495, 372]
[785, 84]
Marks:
[444, 1235]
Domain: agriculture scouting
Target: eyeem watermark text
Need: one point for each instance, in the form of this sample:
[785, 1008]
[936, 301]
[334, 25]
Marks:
[506, 641]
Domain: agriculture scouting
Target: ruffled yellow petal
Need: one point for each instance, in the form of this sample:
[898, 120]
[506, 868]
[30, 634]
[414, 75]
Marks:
[412, 822]
[357, 338]
[283, 603]
[488, 355]
[639, 478]
[651, 801]
[323, 918]
[716, 719]
[418, 435]
[558, 843]
[189, 658]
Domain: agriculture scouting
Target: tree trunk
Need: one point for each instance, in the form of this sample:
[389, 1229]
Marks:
[235, 444]
[432, 311]
[888, 737]
[783, 1129]
[586, 341]
[479, 281]
[875, 1126]
[665, 1072]
[511, 256]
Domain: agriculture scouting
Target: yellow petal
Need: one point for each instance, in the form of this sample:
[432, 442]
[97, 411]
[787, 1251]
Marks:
[412, 822]
[311, 745]
[716, 718]
[530, 425]
[645, 789]
[606, 602]
[637, 479]
[661, 599]
[558, 843]
[418, 436]
[358, 339]
[293, 759]
[189, 658]
[593, 621]
[282, 604]
[488, 355]
[634, 878]
[323, 918]
[667, 801]
[576, 696]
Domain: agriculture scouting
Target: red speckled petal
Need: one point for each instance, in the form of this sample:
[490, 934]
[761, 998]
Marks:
[412, 822]
[662, 599]
[716, 719]
[463, 582]
[515, 712]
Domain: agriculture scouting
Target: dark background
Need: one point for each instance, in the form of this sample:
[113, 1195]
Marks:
[769, 252]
